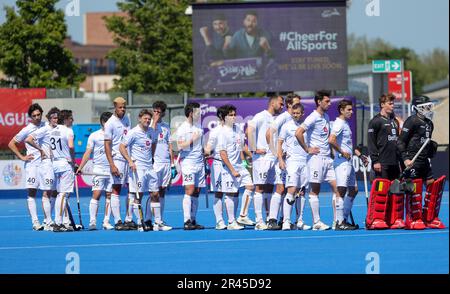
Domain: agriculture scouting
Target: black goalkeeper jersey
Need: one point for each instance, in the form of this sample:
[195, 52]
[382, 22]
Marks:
[382, 140]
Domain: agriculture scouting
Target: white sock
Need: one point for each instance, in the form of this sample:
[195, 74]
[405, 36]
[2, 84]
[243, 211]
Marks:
[59, 204]
[156, 210]
[194, 207]
[229, 205]
[300, 207]
[135, 207]
[258, 201]
[333, 205]
[348, 204]
[93, 208]
[267, 197]
[129, 216]
[148, 210]
[66, 219]
[314, 202]
[187, 207]
[47, 209]
[115, 207]
[275, 202]
[217, 207]
[287, 207]
[339, 209]
[107, 210]
[31, 201]
[245, 203]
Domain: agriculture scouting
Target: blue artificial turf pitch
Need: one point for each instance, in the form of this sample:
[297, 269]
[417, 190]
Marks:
[209, 251]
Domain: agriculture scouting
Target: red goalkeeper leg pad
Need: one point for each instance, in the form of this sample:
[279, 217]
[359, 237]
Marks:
[433, 198]
[378, 201]
[414, 208]
[396, 211]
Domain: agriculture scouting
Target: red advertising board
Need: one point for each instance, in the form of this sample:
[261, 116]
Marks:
[13, 111]
[395, 84]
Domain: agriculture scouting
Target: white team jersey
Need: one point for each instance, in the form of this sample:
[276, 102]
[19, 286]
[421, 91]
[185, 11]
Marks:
[193, 153]
[279, 122]
[23, 134]
[59, 142]
[42, 136]
[293, 149]
[96, 142]
[261, 122]
[341, 129]
[139, 143]
[213, 140]
[231, 140]
[317, 128]
[162, 133]
[115, 130]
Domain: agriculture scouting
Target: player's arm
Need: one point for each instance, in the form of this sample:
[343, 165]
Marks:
[71, 148]
[280, 154]
[84, 160]
[372, 136]
[403, 140]
[334, 144]
[251, 136]
[13, 146]
[30, 140]
[124, 151]
[226, 161]
[269, 139]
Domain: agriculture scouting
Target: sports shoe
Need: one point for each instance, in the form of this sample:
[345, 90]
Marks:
[161, 227]
[245, 221]
[131, 225]
[435, 224]
[49, 227]
[261, 226]
[92, 227]
[287, 226]
[302, 226]
[197, 226]
[37, 226]
[273, 225]
[220, 225]
[107, 226]
[234, 226]
[141, 228]
[320, 226]
[344, 226]
[119, 226]
[188, 225]
[69, 227]
[333, 225]
[398, 224]
[59, 228]
[149, 225]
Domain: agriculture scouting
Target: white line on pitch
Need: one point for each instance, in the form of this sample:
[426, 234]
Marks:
[219, 240]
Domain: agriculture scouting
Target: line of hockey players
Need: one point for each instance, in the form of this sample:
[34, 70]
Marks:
[290, 156]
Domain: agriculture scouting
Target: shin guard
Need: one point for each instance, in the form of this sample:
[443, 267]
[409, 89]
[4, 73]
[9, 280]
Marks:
[376, 212]
[433, 198]
[396, 211]
[413, 205]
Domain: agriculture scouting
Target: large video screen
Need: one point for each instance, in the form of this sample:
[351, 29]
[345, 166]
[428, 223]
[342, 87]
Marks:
[261, 47]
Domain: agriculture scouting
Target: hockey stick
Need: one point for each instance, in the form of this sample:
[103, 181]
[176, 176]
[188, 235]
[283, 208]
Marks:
[398, 187]
[78, 202]
[94, 174]
[141, 214]
[208, 175]
[71, 219]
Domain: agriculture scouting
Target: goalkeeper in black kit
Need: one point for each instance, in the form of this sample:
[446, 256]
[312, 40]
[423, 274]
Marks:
[416, 130]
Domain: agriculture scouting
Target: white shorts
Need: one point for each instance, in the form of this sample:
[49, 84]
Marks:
[193, 174]
[216, 173]
[163, 173]
[102, 183]
[32, 176]
[320, 169]
[146, 181]
[122, 166]
[232, 184]
[46, 176]
[280, 175]
[64, 176]
[345, 173]
[263, 172]
[297, 174]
